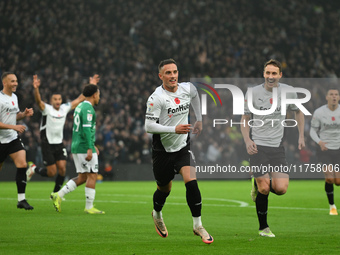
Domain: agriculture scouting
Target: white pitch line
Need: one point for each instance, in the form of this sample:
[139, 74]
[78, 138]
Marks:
[240, 203]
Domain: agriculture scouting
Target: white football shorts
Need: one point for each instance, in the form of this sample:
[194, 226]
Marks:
[84, 166]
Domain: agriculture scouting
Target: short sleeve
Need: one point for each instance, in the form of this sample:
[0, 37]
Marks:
[47, 109]
[67, 107]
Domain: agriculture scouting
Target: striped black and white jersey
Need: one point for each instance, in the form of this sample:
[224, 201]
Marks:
[8, 115]
[52, 123]
[170, 109]
[267, 130]
[326, 123]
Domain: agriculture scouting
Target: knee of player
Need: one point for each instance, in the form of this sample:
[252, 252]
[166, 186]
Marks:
[62, 171]
[263, 185]
[51, 171]
[331, 181]
[337, 181]
[21, 164]
[264, 189]
[82, 178]
[165, 189]
[280, 188]
[281, 191]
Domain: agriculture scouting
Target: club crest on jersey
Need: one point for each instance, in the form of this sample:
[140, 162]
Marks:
[177, 101]
[271, 101]
[12, 103]
[333, 118]
[89, 117]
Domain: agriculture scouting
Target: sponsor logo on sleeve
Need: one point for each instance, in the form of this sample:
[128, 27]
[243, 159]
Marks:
[150, 107]
[89, 117]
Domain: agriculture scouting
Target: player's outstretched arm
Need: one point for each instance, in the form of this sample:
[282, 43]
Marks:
[77, 101]
[37, 97]
[92, 80]
[300, 118]
[250, 145]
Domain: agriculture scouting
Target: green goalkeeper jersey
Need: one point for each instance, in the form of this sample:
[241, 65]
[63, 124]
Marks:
[84, 128]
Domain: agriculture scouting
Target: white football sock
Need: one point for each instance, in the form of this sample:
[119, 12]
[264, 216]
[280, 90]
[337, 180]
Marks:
[157, 215]
[21, 196]
[89, 194]
[197, 221]
[69, 186]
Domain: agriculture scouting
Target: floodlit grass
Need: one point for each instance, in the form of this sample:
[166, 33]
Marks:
[299, 220]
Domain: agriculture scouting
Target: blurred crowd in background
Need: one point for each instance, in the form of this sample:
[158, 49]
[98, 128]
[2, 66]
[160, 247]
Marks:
[66, 42]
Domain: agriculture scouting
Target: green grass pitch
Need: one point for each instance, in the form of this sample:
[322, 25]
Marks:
[299, 219]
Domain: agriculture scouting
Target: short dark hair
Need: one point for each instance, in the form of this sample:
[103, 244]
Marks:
[273, 62]
[90, 90]
[166, 62]
[5, 74]
[332, 88]
[54, 92]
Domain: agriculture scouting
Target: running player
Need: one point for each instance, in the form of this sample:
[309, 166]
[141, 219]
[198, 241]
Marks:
[325, 131]
[85, 153]
[51, 133]
[10, 143]
[167, 119]
[265, 145]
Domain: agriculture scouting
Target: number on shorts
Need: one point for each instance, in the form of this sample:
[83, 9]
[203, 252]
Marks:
[65, 152]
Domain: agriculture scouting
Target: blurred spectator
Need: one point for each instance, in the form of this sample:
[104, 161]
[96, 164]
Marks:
[108, 172]
[65, 42]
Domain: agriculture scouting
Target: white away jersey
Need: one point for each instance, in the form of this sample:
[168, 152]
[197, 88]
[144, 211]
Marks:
[8, 115]
[327, 122]
[170, 109]
[52, 123]
[271, 132]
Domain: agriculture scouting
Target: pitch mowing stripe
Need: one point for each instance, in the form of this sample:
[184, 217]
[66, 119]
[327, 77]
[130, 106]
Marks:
[241, 203]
